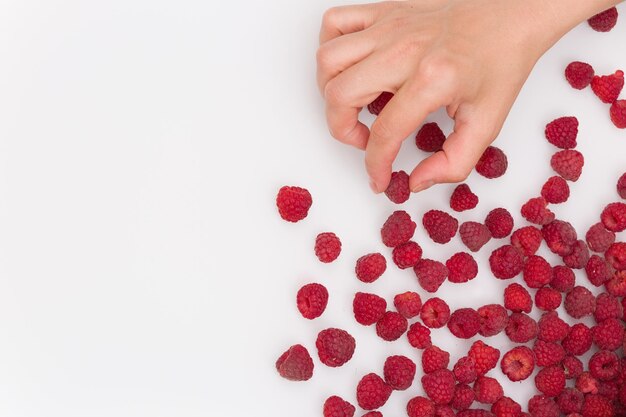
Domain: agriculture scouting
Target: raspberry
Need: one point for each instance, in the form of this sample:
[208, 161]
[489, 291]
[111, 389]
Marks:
[493, 163]
[598, 238]
[579, 256]
[430, 138]
[493, 319]
[550, 380]
[552, 328]
[598, 270]
[562, 132]
[506, 407]
[614, 217]
[463, 397]
[587, 384]
[604, 21]
[399, 372]
[435, 313]
[461, 268]
[616, 286]
[370, 267]
[579, 74]
[407, 255]
[607, 307]
[368, 308]
[572, 366]
[485, 357]
[517, 299]
[434, 359]
[527, 239]
[547, 299]
[440, 226]
[521, 328]
[464, 323]
[579, 340]
[391, 326]
[439, 386]
[408, 304]
[398, 189]
[335, 347]
[463, 198]
[430, 274]
[563, 278]
[518, 363]
[487, 390]
[327, 247]
[568, 164]
[542, 406]
[616, 255]
[608, 335]
[579, 302]
[555, 190]
[499, 222]
[560, 237]
[548, 353]
[419, 336]
[597, 406]
[312, 300]
[474, 235]
[537, 272]
[604, 365]
[506, 262]
[293, 203]
[570, 400]
[398, 229]
[295, 364]
[608, 87]
[337, 407]
[376, 106]
[372, 392]
[420, 407]
[618, 117]
[621, 182]
[535, 211]
[465, 370]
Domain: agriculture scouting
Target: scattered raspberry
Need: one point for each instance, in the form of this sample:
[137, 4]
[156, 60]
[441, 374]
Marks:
[337, 407]
[506, 262]
[562, 132]
[587, 384]
[420, 407]
[487, 390]
[376, 106]
[435, 313]
[579, 74]
[552, 328]
[419, 336]
[372, 392]
[555, 190]
[598, 238]
[570, 401]
[604, 365]
[609, 334]
[518, 363]
[560, 237]
[434, 359]
[621, 182]
[608, 87]
[572, 366]
[568, 164]
[370, 267]
[499, 222]
[563, 278]
[506, 407]
[616, 255]
[439, 386]
[485, 357]
[312, 300]
[616, 286]
[517, 298]
[327, 247]
[493, 163]
[295, 364]
[368, 308]
[579, 340]
[474, 235]
[550, 380]
[463, 397]
[579, 256]
[527, 239]
[398, 190]
[493, 319]
[440, 226]
[335, 347]
[618, 117]
[537, 272]
[430, 274]
[603, 21]
[548, 353]
[391, 326]
[293, 203]
[597, 406]
[547, 299]
[399, 372]
[598, 270]
[430, 138]
[607, 307]
[535, 211]
[408, 304]
[398, 229]
[614, 217]
[521, 328]
[407, 255]
[542, 406]
[461, 268]
[580, 302]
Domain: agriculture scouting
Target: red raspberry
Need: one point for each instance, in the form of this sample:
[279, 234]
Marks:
[550, 380]
[527, 239]
[535, 211]
[430, 274]
[579, 74]
[517, 298]
[461, 268]
[368, 308]
[293, 203]
[621, 182]
[598, 238]
[608, 87]
[407, 255]
[463, 198]
[608, 335]
[420, 407]
[376, 106]
[618, 117]
[408, 304]
[537, 272]
[464, 323]
[435, 313]
[391, 326]
[493, 163]
[579, 256]
[506, 407]
[607, 307]
[335, 347]
[463, 397]
[560, 237]
[434, 359]
[398, 189]
[518, 363]
[440, 226]
[572, 366]
[372, 392]
[465, 370]
[614, 217]
[336, 407]
[485, 357]
[603, 21]
[555, 190]
[439, 386]
[487, 390]
[563, 278]
[597, 406]
[568, 164]
[604, 365]
[580, 302]
[579, 340]
[506, 262]
[548, 353]
[430, 138]
[493, 319]
[598, 270]
[398, 229]
[419, 336]
[312, 300]
[547, 299]
[373, 414]
[616, 255]
[327, 247]
[295, 364]
[570, 400]
[552, 328]
[616, 286]
[562, 132]
[370, 267]
[474, 235]
[587, 384]
[521, 328]
[542, 406]
[399, 372]
[499, 222]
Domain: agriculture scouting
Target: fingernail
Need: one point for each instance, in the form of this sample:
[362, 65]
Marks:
[373, 187]
[422, 186]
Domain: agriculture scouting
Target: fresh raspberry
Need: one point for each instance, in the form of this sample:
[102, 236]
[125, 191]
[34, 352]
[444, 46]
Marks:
[337, 407]
[570, 400]
[461, 268]
[597, 406]
[391, 326]
[493, 319]
[537, 272]
[614, 217]
[434, 359]
[618, 117]
[485, 357]
[621, 182]
[506, 262]
[327, 247]
[293, 203]
[493, 163]
[376, 106]
[572, 366]
[368, 308]
[471, 412]
[616, 255]
[548, 353]
[517, 298]
[435, 313]
[420, 407]
[607, 307]
[430, 138]
[587, 384]
[312, 300]
[408, 304]
[603, 21]
[499, 222]
[527, 239]
[398, 229]
[440, 226]
[439, 386]
[372, 392]
[598, 270]
[444, 411]
[407, 254]
[552, 328]
[608, 87]
[370, 267]
[463, 397]
[463, 198]
[579, 340]
[335, 347]
[535, 211]
[598, 238]
[616, 286]
[562, 132]
[568, 164]
[604, 365]
[295, 364]
[560, 237]
[550, 380]
[609, 334]
[506, 407]
[465, 370]
[579, 74]
[373, 414]
[474, 235]
[487, 390]
[547, 299]
[580, 302]
[430, 274]
[464, 323]
[563, 278]
[555, 190]
[398, 190]
[419, 336]
[518, 363]
[579, 256]
[542, 406]
[521, 328]
[399, 372]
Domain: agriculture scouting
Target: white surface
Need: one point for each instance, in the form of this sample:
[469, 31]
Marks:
[144, 270]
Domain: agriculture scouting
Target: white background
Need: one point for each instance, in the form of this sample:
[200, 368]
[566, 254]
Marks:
[144, 270]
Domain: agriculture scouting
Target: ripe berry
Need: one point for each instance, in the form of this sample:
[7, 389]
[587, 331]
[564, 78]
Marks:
[499, 222]
[430, 138]
[430, 274]
[474, 235]
[579, 74]
[493, 163]
[372, 392]
[408, 304]
[463, 198]
[336, 407]
[335, 347]
[295, 364]
[518, 363]
[461, 268]
[391, 326]
[293, 203]
[398, 189]
[435, 313]
[562, 132]
[568, 164]
[312, 300]
[368, 308]
[327, 247]
[376, 106]
[604, 21]
[440, 226]
[608, 87]
[398, 229]
[618, 117]
[399, 372]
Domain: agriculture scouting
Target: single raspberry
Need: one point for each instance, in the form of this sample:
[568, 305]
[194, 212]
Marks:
[579, 256]
[499, 222]
[433, 359]
[535, 211]
[614, 217]
[547, 299]
[439, 386]
[548, 353]
[372, 392]
[430, 138]
[440, 226]
[391, 326]
[563, 278]
[521, 328]
[570, 400]
[327, 247]
[370, 267]
[407, 255]
[552, 328]
[336, 407]
[485, 357]
[506, 262]
[376, 106]
[293, 203]
[399, 372]
[616, 255]
[555, 190]
[607, 307]
[527, 239]
[560, 237]
[598, 238]
[463, 198]
[488, 390]
[518, 363]
[420, 407]
[616, 286]
[598, 270]
[597, 406]
[587, 384]
[368, 308]
[572, 366]
[537, 272]
[312, 300]
[335, 347]
[568, 164]
[604, 365]
[579, 302]
[550, 380]
[465, 370]
[398, 190]
[463, 397]
[609, 334]
[608, 87]
[603, 21]
[464, 323]
[506, 407]
[398, 229]
[419, 336]
[461, 267]
[493, 163]
[493, 319]
[517, 298]
[618, 117]
[435, 313]
[408, 304]
[579, 74]
[430, 274]
[562, 132]
[474, 235]
[621, 182]
[542, 406]
[444, 411]
[295, 364]
[373, 414]
[579, 340]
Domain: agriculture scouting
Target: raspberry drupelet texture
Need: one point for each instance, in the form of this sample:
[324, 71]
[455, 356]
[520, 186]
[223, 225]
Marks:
[312, 300]
[579, 302]
[579, 74]
[555, 190]
[547, 299]
[608, 87]
[368, 308]
[527, 239]
[474, 235]
[439, 386]
[372, 392]
[399, 372]
[398, 189]
[518, 363]
[618, 117]
[562, 132]
[327, 247]
[621, 182]
[433, 359]
[370, 267]
[398, 229]
[430, 138]
[461, 267]
[435, 313]
[335, 347]
[430, 274]
[464, 323]
[517, 298]
[568, 164]
[598, 238]
[376, 106]
[419, 336]
[407, 254]
[552, 328]
[614, 217]
[463, 198]
[493, 163]
[493, 319]
[499, 222]
[536, 211]
[487, 390]
[420, 407]
[293, 203]
[578, 340]
[465, 370]
[506, 262]
[408, 304]
[560, 236]
[537, 272]
[440, 226]
[563, 278]
[295, 364]
[521, 328]
[337, 407]
[485, 357]
[391, 326]
[550, 380]
[598, 270]
[604, 21]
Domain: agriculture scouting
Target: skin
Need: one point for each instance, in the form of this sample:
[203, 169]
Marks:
[470, 56]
